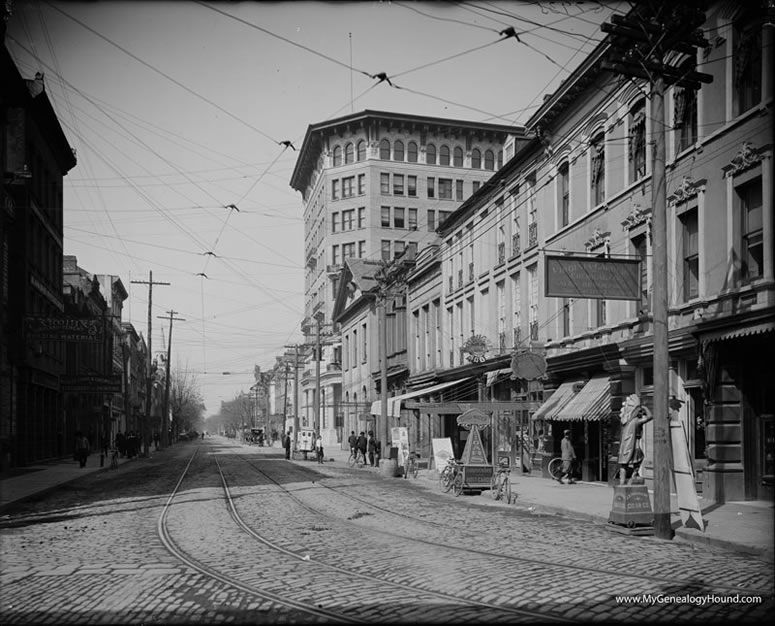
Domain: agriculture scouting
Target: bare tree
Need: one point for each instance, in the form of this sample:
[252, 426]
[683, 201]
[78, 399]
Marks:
[186, 401]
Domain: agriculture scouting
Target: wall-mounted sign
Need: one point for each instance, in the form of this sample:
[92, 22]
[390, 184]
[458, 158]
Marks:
[91, 384]
[592, 277]
[527, 365]
[65, 328]
[476, 348]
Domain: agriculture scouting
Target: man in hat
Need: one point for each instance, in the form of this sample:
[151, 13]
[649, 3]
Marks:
[568, 458]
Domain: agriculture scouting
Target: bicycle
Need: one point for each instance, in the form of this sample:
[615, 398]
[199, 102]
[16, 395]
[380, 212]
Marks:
[410, 466]
[358, 459]
[500, 487]
[451, 477]
[555, 468]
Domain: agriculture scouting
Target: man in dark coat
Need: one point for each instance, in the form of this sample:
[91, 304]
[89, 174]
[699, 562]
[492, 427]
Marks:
[288, 445]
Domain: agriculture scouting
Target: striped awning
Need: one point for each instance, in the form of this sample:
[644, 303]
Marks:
[592, 403]
[741, 331]
[561, 396]
[394, 403]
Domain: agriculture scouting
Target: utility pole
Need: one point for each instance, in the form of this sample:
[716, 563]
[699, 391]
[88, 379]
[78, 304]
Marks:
[318, 356]
[165, 410]
[657, 42]
[148, 378]
[285, 397]
[296, 401]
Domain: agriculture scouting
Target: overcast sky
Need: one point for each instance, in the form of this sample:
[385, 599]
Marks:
[176, 111]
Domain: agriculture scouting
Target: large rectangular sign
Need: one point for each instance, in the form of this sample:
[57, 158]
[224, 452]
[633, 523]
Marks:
[65, 328]
[91, 384]
[592, 277]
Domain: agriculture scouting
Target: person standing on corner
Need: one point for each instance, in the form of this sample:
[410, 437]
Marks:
[319, 448]
[81, 448]
[288, 445]
[353, 441]
[568, 458]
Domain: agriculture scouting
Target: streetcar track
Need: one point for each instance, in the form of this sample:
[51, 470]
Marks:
[527, 560]
[211, 572]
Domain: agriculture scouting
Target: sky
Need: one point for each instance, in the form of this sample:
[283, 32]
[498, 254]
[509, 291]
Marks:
[177, 111]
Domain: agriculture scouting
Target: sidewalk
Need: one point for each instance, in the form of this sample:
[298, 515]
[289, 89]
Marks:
[745, 527]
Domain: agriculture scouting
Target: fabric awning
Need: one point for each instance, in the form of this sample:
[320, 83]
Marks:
[498, 375]
[394, 403]
[592, 403]
[742, 331]
[562, 395]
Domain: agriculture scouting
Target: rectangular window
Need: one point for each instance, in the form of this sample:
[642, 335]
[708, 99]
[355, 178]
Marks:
[335, 255]
[564, 192]
[459, 190]
[355, 347]
[475, 185]
[348, 187]
[516, 308]
[747, 63]
[443, 215]
[398, 217]
[641, 250]
[385, 250]
[348, 218]
[751, 228]
[384, 184]
[691, 256]
[361, 217]
[334, 222]
[361, 249]
[597, 169]
[685, 118]
[348, 251]
[412, 219]
[398, 248]
[431, 187]
[637, 142]
[335, 190]
[411, 249]
[565, 317]
[599, 313]
[431, 220]
[361, 184]
[411, 186]
[385, 217]
[445, 189]
[398, 184]
[364, 354]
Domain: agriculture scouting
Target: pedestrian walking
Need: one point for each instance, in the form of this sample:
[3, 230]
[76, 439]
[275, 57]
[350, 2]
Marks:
[568, 459]
[319, 448]
[353, 441]
[288, 445]
[82, 448]
[362, 445]
[371, 446]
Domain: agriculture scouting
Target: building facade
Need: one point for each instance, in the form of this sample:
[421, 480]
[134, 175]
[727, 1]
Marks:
[374, 185]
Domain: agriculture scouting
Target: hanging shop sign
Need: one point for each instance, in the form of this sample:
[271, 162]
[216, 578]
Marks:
[527, 365]
[592, 277]
[476, 348]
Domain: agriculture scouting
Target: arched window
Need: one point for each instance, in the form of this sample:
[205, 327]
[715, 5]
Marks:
[384, 150]
[444, 155]
[361, 150]
[489, 160]
[398, 150]
[430, 154]
[637, 141]
[411, 152]
[337, 155]
[348, 153]
[457, 157]
[476, 159]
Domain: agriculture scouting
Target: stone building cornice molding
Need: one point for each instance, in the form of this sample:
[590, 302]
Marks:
[747, 157]
[639, 215]
[686, 190]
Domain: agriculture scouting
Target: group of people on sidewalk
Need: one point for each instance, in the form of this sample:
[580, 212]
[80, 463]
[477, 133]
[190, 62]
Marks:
[365, 446]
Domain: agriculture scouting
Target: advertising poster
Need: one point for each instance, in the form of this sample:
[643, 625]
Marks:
[442, 452]
[306, 440]
[400, 440]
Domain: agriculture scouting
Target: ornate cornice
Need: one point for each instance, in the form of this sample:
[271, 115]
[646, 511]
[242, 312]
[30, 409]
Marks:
[637, 216]
[745, 159]
[598, 238]
[686, 190]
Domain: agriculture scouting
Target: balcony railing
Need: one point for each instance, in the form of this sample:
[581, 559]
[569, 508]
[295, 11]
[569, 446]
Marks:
[501, 252]
[532, 234]
[515, 245]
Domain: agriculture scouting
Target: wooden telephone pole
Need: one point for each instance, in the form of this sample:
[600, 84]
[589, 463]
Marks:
[148, 378]
[657, 42]
[165, 410]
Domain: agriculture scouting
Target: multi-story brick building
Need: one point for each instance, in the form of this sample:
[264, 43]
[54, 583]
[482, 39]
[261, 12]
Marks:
[376, 185]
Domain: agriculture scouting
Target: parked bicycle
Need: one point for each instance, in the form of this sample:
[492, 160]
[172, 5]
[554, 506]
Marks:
[356, 459]
[451, 477]
[411, 467]
[500, 488]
